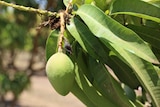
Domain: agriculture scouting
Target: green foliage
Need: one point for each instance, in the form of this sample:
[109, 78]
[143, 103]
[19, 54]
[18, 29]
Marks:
[150, 35]
[13, 35]
[89, 43]
[122, 35]
[4, 83]
[113, 33]
[137, 8]
[115, 50]
[51, 44]
[16, 84]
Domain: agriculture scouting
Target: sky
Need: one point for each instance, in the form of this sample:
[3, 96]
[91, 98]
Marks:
[42, 3]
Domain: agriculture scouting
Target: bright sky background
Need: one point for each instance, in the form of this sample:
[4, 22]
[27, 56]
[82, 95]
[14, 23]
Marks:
[42, 3]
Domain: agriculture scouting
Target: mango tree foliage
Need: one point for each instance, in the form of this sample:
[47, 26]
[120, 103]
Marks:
[114, 46]
[124, 36]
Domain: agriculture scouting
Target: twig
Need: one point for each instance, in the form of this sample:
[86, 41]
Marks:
[29, 9]
[68, 6]
[62, 15]
[62, 29]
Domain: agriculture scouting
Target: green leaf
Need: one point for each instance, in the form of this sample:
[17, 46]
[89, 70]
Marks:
[137, 8]
[156, 52]
[129, 92]
[152, 24]
[150, 35]
[107, 85]
[88, 1]
[92, 93]
[102, 80]
[77, 2]
[79, 93]
[102, 4]
[65, 2]
[51, 44]
[108, 30]
[138, 103]
[87, 40]
[144, 71]
[124, 73]
[155, 2]
[127, 19]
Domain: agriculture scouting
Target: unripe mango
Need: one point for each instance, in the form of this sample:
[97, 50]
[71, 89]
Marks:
[60, 72]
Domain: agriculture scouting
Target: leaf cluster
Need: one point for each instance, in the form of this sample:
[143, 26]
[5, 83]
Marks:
[122, 35]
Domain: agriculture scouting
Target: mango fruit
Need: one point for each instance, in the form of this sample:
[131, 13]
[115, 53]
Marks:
[60, 72]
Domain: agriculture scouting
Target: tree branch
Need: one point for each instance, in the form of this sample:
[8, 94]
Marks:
[28, 9]
[62, 29]
[68, 6]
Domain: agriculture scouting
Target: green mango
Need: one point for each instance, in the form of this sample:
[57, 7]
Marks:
[60, 72]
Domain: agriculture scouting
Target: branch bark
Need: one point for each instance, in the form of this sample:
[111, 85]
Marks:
[28, 9]
[62, 29]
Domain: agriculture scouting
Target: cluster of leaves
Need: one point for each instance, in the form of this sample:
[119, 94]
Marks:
[15, 84]
[13, 35]
[120, 34]
[124, 36]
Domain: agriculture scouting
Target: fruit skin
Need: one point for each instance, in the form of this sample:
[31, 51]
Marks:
[60, 72]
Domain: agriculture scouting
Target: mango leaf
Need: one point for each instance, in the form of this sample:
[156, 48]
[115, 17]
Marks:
[144, 71]
[150, 35]
[88, 1]
[102, 4]
[92, 93]
[124, 73]
[108, 30]
[152, 24]
[51, 44]
[87, 40]
[102, 80]
[129, 92]
[107, 85]
[156, 52]
[77, 2]
[153, 2]
[136, 8]
[65, 2]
